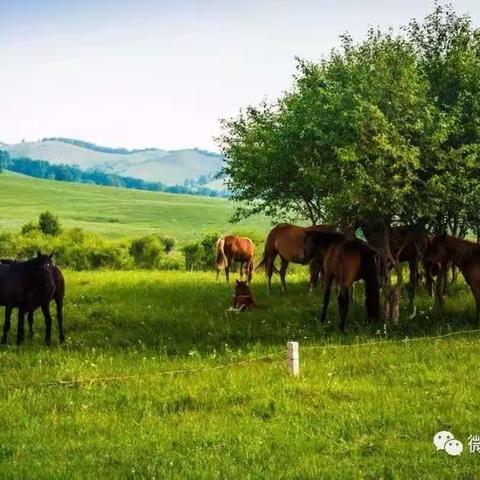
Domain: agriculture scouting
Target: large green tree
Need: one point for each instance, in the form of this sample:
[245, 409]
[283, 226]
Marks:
[387, 128]
[344, 143]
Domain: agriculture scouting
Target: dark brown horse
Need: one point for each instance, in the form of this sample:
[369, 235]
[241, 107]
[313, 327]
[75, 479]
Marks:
[288, 241]
[58, 297]
[443, 249]
[345, 261]
[239, 249]
[30, 285]
[409, 244]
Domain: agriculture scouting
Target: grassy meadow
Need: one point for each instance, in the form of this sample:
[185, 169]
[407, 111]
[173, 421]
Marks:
[116, 212]
[159, 379]
[234, 411]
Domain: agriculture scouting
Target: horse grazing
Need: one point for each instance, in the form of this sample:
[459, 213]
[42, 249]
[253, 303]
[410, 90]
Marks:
[346, 260]
[464, 254]
[243, 297]
[230, 249]
[288, 241]
[30, 285]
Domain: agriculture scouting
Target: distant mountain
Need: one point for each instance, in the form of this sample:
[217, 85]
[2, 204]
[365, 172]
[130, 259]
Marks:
[150, 164]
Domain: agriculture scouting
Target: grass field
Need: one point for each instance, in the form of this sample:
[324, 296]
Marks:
[356, 412]
[116, 212]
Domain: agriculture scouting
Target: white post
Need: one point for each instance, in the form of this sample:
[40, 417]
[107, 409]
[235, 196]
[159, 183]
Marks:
[293, 358]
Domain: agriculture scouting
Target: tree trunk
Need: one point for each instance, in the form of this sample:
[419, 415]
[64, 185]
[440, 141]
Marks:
[377, 232]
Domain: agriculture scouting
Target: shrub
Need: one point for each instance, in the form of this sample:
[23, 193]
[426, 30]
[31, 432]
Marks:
[29, 228]
[208, 243]
[193, 256]
[49, 224]
[169, 244]
[147, 251]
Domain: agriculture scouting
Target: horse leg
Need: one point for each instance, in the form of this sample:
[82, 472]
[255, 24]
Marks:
[6, 325]
[269, 268]
[326, 297]
[428, 280]
[21, 326]
[241, 270]
[48, 323]
[30, 323]
[454, 274]
[315, 269]
[343, 303]
[227, 271]
[249, 270]
[412, 287]
[283, 271]
[59, 304]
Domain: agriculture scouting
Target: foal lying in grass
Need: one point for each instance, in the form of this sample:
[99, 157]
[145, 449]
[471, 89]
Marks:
[243, 298]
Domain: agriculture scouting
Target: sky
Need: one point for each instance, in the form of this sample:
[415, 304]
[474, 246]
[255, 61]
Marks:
[159, 73]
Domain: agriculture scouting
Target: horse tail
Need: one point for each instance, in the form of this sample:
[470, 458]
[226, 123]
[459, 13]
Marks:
[221, 257]
[372, 286]
[263, 262]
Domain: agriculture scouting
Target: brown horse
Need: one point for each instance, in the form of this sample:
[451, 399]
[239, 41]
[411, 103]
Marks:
[443, 249]
[243, 298]
[287, 241]
[230, 249]
[346, 260]
[409, 245]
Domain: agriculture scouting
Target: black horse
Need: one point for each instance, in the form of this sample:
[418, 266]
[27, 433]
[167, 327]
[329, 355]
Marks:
[30, 285]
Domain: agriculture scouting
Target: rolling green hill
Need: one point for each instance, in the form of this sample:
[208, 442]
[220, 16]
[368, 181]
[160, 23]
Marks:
[116, 212]
[152, 164]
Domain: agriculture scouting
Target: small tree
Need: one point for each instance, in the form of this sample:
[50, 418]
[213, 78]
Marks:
[49, 224]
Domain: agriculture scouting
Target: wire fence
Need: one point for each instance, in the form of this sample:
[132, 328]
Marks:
[279, 355]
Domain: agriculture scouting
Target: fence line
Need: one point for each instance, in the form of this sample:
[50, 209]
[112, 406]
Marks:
[405, 340]
[269, 356]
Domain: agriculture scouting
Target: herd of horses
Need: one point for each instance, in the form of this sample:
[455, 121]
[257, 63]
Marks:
[342, 260]
[336, 258]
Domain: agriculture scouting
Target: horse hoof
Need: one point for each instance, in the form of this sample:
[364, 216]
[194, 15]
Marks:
[62, 339]
[19, 341]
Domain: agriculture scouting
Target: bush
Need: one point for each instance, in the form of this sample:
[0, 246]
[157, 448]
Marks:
[168, 244]
[193, 256]
[29, 228]
[208, 243]
[49, 224]
[147, 251]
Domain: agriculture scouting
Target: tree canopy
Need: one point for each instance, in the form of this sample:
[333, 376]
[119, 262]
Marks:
[388, 127]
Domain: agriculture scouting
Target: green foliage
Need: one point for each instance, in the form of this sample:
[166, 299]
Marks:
[29, 228]
[147, 251]
[201, 255]
[194, 256]
[208, 243]
[169, 244]
[387, 128]
[49, 223]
